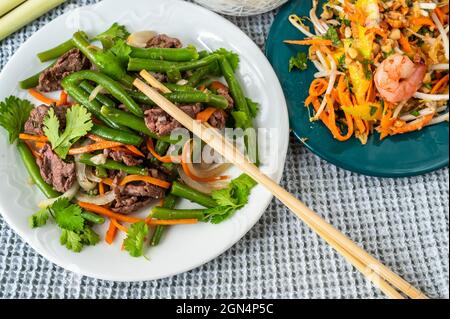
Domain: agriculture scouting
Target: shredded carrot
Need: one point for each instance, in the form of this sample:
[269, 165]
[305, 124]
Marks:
[111, 233]
[93, 147]
[109, 213]
[163, 159]
[318, 87]
[40, 144]
[440, 15]
[206, 114]
[386, 121]
[42, 98]
[332, 123]
[32, 148]
[410, 127]
[62, 98]
[163, 222]
[35, 138]
[371, 92]
[107, 181]
[133, 149]
[404, 43]
[439, 84]
[377, 31]
[119, 226]
[216, 85]
[310, 42]
[422, 21]
[147, 179]
[101, 188]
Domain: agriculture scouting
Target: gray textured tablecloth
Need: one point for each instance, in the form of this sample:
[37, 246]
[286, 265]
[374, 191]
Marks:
[403, 222]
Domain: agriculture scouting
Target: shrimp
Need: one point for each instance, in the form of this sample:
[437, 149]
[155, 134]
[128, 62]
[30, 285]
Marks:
[397, 78]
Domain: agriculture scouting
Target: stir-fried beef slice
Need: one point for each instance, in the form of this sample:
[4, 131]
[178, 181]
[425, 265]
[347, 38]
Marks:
[136, 195]
[164, 41]
[55, 171]
[70, 62]
[218, 119]
[34, 124]
[225, 92]
[121, 156]
[161, 123]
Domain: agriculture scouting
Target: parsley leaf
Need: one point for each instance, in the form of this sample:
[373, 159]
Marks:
[38, 219]
[232, 57]
[14, 112]
[122, 51]
[253, 107]
[230, 199]
[71, 240]
[332, 35]
[134, 243]
[110, 36]
[69, 218]
[89, 237]
[298, 61]
[78, 124]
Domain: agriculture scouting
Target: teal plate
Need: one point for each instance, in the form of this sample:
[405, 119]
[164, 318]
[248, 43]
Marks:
[397, 156]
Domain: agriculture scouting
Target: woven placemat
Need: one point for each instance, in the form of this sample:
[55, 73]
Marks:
[403, 222]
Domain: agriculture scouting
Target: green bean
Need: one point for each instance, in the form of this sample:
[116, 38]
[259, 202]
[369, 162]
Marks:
[179, 88]
[108, 84]
[56, 52]
[160, 148]
[185, 97]
[169, 202]
[105, 62]
[101, 172]
[103, 99]
[34, 172]
[177, 55]
[202, 72]
[167, 213]
[202, 54]
[33, 81]
[174, 75]
[93, 218]
[137, 64]
[133, 122]
[82, 97]
[113, 165]
[116, 135]
[184, 191]
[235, 90]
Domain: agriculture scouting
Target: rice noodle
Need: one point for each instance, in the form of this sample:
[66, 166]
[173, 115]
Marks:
[439, 119]
[444, 37]
[322, 60]
[331, 82]
[316, 22]
[431, 97]
[319, 66]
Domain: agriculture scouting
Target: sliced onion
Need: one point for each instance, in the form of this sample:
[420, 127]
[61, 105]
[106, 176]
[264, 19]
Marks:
[99, 159]
[98, 89]
[182, 82]
[140, 39]
[82, 178]
[206, 188]
[91, 176]
[70, 194]
[97, 200]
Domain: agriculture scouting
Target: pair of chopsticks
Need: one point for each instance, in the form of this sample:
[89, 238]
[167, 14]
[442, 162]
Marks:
[381, 276]
[14, 14]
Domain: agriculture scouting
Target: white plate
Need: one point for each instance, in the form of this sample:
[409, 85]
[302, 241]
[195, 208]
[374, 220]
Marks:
[183, 247]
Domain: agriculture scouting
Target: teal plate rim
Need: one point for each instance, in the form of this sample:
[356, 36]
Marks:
[404, 155]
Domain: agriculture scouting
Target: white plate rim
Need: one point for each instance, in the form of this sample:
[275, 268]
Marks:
[282, 108]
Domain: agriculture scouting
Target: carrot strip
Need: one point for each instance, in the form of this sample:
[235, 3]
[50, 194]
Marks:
[439, 84]
[404, 43]
[440, 15]
[111, 233]
[171, 222]
[93, 147]
[163, 159]
[109, 213]
[35, 138]
[107, 181]
[101, 188]
[62, 98]
[42, 98]
[147, 179]
[216, 85]
[410, 127]
[206, 114]
[386, 121]
[40, 144]
[423, 21]
[33, 149]
[310, 42]
[133, 149]
[119, 226]
[332, 123]
[318, 87]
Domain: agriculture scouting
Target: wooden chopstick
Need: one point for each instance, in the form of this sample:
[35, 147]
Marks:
[381, 276]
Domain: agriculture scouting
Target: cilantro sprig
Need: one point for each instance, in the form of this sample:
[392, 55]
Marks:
[332, 35]
[134, 243]
[14, 112]
[78, 124]
[233, 58]
[299, 61]
[110, 36]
